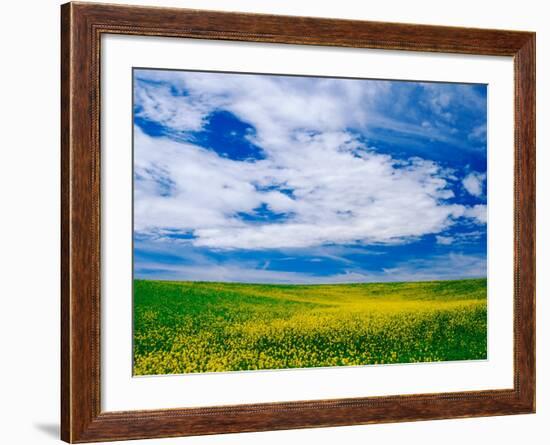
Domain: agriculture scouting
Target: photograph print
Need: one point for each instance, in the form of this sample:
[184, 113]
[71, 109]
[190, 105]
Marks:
[285, 221]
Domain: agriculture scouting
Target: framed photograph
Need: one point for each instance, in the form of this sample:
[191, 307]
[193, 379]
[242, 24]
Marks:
[274, 222]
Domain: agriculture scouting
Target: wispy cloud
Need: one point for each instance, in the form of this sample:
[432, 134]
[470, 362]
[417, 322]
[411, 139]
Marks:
[479, 133]
[438, 267]
[444, 240]
[450, 266]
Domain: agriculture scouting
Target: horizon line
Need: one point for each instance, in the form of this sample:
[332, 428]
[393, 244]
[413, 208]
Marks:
[310, 284]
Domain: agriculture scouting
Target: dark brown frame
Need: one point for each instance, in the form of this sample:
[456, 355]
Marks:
[82, 25]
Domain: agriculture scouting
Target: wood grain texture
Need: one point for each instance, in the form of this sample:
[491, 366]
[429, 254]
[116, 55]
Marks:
[65, 227]
[81, 28]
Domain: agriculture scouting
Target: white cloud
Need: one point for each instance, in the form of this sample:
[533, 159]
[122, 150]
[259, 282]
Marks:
[478, 213]
[276, 104]
[337, 197]
[343, 192]
[180, 113]
[444, 240]
[474, 182]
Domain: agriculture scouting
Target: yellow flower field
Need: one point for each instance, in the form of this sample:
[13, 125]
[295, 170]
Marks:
[183, 327]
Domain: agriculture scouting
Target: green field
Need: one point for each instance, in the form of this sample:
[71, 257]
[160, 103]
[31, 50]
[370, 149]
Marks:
[182, 327]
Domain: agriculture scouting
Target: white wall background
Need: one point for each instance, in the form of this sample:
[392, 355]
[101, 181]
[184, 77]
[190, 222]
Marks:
[29, 222]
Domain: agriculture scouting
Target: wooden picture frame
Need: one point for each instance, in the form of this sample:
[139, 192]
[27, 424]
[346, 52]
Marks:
[82, 25]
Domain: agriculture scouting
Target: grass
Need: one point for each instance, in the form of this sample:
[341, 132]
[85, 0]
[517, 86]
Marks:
[183, 327]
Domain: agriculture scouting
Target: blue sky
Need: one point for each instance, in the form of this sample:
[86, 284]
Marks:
[288, 179]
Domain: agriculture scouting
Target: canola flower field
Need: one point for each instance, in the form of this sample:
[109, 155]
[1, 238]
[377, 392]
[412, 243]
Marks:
[184, 327]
